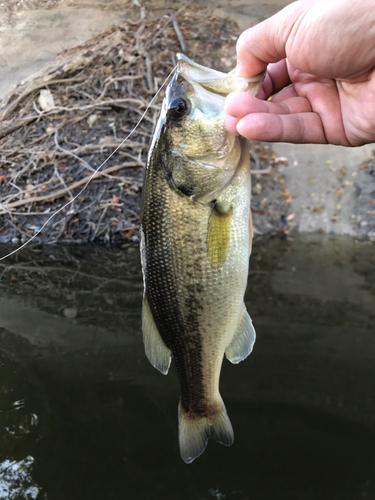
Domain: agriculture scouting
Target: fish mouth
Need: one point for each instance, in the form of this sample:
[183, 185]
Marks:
[184, 86]
[215, 81]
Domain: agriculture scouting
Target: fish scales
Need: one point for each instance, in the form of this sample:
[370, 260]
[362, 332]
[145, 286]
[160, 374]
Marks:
[195, 253]
[176, 253]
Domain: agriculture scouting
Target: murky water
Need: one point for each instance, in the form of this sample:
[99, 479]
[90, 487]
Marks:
[83, 416]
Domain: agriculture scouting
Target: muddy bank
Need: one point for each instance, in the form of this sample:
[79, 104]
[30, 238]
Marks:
[59, 127]
[98, 91]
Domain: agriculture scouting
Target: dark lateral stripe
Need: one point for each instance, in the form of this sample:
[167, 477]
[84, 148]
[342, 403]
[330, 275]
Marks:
[161, 290]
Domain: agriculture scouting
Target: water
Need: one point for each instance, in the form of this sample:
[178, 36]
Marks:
[84, 416]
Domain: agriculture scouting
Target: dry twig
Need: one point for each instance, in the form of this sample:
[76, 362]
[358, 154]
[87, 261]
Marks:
[61, 192]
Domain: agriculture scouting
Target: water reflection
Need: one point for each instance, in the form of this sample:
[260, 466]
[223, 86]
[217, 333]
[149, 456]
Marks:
[16, 481]
[78, 395]
[19, 429]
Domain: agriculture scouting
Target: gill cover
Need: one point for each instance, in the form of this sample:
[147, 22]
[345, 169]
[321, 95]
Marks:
[201, 156]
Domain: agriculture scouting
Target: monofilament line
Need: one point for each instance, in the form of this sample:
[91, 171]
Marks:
[93, 174]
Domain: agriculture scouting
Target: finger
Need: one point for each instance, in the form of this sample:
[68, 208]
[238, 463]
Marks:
[277, 77]
[240, 104]
[294, 128]
[326, 103]
[285, 94]
[266, 89]
[231, 124]
[265, 43]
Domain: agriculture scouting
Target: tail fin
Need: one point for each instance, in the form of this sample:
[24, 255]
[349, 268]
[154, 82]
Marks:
[194, 431]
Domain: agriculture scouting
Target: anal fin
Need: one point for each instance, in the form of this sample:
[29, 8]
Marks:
[156, 351]
[243, 339]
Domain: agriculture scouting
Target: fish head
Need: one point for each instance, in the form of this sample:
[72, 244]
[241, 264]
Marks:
[199, 155]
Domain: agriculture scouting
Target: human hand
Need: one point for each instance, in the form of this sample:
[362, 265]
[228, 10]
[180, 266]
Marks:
[321, 75]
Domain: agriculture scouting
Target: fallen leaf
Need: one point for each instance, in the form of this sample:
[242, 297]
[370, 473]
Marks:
[364, 164]
[263, 203]
[257, 188]
[46, 101]
[91, 120]
[281, 159]
[318, 208]
[285, 193]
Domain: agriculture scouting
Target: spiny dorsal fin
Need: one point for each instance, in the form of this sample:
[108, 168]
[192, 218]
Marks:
[157, 352]
[218, 237]
[243, 340]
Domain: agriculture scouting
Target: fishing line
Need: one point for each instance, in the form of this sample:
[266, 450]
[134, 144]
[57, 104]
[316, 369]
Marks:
[93, 174]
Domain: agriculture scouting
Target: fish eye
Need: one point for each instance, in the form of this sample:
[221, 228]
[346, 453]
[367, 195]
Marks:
[179, 108]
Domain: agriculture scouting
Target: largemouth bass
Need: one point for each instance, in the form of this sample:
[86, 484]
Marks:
[195, 247]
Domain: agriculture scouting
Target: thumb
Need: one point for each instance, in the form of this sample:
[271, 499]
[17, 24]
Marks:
[266, 42]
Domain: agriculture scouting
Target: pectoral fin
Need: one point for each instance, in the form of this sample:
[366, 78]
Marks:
[218, 237]
[157, 352]
[243, 340]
